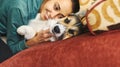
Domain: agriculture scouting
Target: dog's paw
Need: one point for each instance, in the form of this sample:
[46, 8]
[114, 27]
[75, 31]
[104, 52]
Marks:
[26, 31]
[21, 30]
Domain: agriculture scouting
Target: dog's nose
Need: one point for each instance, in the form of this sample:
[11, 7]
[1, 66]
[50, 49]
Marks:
[56, 29]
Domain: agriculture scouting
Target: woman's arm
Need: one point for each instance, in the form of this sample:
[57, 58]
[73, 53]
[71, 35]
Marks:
[16, 42]
[15, 19]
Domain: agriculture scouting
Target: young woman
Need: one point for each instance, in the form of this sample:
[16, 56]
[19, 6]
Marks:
[14, 13]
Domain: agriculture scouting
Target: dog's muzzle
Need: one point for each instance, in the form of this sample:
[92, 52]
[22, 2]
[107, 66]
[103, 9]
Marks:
[58, 30]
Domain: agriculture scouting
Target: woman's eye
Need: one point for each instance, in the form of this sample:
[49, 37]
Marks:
[56, 7]
[60, 16]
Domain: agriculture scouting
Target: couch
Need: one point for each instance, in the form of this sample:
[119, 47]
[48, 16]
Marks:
[86, 50]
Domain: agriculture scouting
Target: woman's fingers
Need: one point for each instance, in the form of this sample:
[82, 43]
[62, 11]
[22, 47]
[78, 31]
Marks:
[40, 37]
[46, 31]
[45, 34]
[48, 39]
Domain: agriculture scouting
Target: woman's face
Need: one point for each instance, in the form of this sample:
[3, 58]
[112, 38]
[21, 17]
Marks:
[56, 9]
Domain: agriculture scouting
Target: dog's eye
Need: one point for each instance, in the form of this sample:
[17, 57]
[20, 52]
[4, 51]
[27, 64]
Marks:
[67, 21]
[71, 31]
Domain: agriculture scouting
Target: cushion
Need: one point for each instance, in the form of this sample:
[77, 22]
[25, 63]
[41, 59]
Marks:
[102, 50]
[101, 13]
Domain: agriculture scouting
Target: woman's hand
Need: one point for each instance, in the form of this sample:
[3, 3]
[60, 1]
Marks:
[40, 37]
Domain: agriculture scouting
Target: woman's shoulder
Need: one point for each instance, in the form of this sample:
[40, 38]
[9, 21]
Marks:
[8, 5]
[12, 3]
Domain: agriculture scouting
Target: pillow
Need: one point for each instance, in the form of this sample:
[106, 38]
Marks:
[100, 13]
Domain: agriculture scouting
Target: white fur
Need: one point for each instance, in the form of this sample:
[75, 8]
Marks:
[37, 25]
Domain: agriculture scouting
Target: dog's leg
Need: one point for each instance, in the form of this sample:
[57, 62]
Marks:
[27, 31]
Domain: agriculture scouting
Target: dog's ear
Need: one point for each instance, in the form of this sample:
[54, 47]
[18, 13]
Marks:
[81, 14]
[83, 28]
[76, 14]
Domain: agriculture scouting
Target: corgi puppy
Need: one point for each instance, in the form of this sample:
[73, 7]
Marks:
[63, 28]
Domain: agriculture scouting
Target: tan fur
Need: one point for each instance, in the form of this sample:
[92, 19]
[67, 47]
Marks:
[71, 25]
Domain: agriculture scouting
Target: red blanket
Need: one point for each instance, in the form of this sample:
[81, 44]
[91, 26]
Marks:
[102, 50]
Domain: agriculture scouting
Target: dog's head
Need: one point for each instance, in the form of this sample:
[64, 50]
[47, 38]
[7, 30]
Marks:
[67, 27]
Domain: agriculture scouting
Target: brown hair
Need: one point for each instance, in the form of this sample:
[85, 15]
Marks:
[44, 1]
[75, 6]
